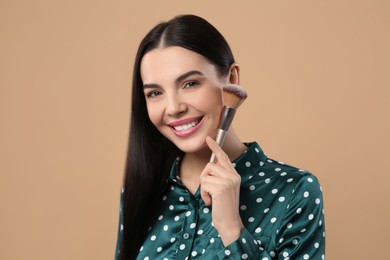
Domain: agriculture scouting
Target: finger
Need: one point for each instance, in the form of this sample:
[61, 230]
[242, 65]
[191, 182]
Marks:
[217, 150]
[209, 186]
[215, 185]
[215, 170]
[206, 196]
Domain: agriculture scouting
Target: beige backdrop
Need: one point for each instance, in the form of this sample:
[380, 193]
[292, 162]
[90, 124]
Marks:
[317, 73]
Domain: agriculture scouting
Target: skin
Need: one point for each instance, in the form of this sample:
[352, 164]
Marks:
[181, 84]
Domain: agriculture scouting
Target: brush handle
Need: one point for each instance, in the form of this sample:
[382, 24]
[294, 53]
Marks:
[220, 139]
[226, 119]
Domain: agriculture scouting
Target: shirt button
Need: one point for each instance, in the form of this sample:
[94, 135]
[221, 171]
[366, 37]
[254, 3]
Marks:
[186, 236]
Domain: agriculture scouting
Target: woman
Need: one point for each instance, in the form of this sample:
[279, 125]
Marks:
[177, 205]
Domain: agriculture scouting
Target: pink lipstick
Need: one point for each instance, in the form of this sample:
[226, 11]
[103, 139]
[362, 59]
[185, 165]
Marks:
[186, 127]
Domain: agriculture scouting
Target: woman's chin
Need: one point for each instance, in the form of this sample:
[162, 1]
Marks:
[192, 146]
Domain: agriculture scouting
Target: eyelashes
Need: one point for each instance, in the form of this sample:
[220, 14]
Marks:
[154, 93]
[191, 84]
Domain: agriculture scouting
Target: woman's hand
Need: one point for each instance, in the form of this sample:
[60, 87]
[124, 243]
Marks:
[220, 185]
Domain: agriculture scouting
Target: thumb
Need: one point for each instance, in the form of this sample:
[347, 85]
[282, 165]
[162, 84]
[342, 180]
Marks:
[205, 196]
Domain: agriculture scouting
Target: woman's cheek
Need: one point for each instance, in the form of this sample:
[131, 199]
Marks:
[153, 114]
[213, 102]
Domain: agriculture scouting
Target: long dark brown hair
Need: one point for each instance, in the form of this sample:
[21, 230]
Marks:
[150, 155]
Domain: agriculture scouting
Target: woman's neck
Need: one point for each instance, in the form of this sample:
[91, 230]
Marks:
[193, 164]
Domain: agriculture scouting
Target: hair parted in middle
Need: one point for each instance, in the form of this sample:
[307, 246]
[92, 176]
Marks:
[150, 154]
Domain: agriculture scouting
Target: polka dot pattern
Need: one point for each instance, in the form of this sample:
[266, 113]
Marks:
[278, 202]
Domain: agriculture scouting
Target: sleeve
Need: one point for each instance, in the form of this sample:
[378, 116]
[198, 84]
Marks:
[302, 231]
[246, 247]
[120, 228]
[301, 234]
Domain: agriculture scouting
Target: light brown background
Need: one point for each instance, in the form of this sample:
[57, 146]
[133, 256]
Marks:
[317, 73]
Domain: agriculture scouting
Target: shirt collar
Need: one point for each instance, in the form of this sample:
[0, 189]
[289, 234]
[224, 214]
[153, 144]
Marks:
[173, 175]
[254, 155]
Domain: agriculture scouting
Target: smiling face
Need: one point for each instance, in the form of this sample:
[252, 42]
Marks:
[183, 93]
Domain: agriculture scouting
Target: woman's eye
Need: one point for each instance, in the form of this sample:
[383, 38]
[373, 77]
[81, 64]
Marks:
[191, 84]
[153, 94]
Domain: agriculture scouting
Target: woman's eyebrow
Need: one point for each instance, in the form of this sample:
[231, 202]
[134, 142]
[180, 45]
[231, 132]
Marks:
[187, 74]
[152, 85]
[178, 80]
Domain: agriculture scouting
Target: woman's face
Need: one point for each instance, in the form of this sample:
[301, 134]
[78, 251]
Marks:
[183, 93]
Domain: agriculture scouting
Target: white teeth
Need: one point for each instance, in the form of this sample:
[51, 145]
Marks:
[185, 126]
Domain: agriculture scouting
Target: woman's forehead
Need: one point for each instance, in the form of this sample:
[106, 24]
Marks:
[172, 61]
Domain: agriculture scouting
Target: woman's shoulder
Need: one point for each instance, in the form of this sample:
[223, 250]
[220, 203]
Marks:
[255, 160]
[260, 172]
[293, 174]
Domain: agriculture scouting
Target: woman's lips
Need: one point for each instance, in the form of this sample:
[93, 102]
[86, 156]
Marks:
[186, 127]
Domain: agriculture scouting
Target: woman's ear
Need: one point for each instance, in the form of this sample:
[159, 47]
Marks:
[234, 74]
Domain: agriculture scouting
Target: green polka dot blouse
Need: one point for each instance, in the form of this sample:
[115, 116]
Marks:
[281, 208]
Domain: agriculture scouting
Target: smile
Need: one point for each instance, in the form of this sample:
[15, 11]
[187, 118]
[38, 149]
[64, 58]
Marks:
[186, 127]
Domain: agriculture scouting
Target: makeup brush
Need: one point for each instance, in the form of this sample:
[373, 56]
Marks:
[233, 96]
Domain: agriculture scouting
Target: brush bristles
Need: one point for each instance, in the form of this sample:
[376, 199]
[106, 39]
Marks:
[233, 96]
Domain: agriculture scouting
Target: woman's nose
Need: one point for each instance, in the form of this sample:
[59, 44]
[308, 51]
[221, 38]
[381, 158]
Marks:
[175, 106]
